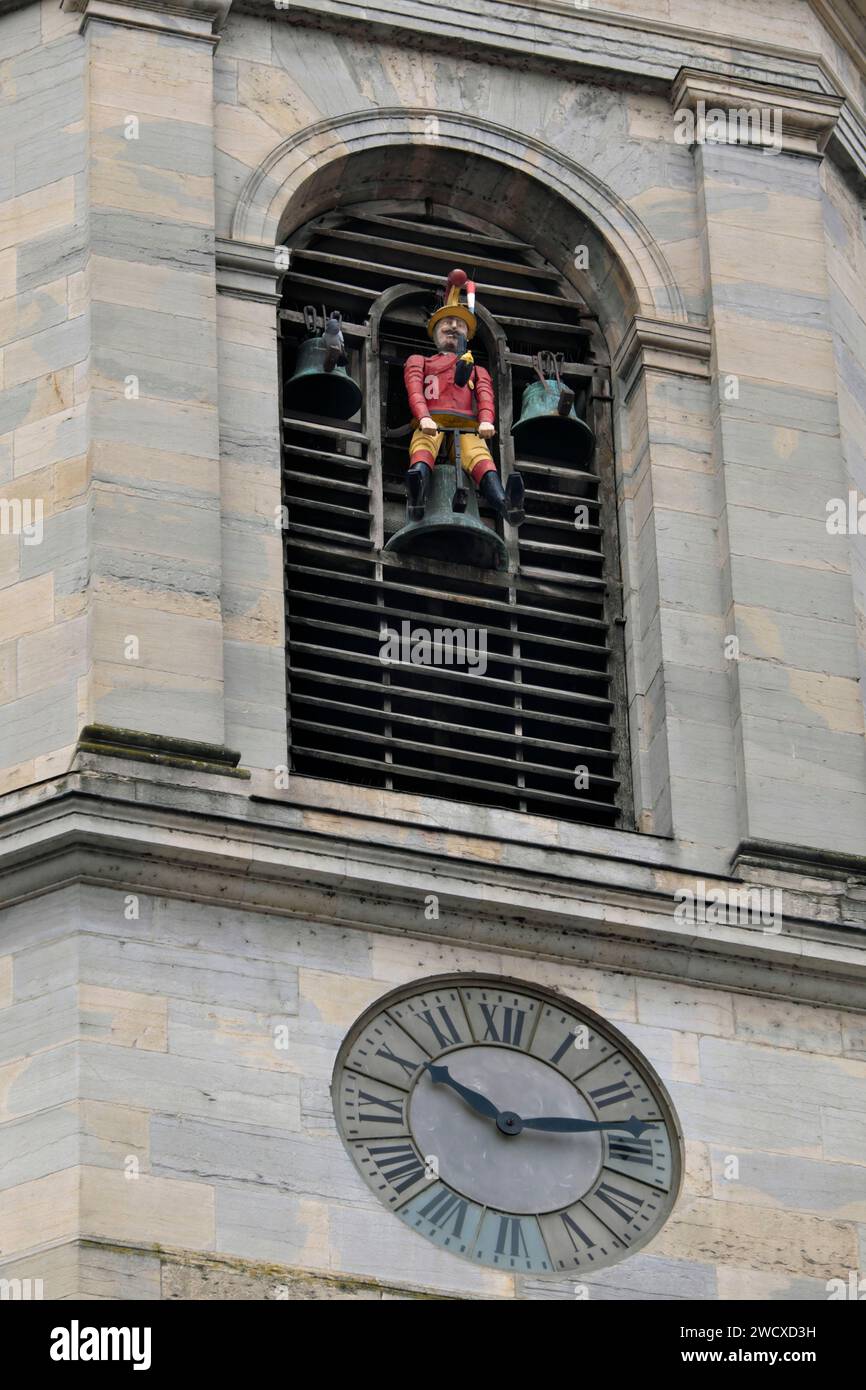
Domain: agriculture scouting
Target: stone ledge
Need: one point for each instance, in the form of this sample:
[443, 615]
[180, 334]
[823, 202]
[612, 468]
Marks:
[160, 749]
[799, 861]
[154, 1273]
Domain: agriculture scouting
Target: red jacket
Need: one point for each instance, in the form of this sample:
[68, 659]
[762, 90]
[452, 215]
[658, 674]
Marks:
[431, 390]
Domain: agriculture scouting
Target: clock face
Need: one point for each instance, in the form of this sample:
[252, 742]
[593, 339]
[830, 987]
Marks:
[508, 1125]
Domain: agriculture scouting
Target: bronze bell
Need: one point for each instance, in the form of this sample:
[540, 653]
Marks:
[548, 427]
[320, 384]
[451, 528]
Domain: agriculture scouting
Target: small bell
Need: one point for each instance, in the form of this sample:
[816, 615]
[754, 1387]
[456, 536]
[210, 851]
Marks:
[320, 384]
[548, 427]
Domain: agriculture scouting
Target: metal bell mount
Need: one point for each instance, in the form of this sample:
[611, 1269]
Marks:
[548, 427]
[320, 384]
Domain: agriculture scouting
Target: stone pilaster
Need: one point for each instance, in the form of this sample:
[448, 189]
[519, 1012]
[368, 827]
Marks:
[789, 628]
[671, 497]
[155, 545]
[248, 280]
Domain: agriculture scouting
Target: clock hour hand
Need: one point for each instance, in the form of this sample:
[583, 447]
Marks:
[441, 1076]
[558, 1124]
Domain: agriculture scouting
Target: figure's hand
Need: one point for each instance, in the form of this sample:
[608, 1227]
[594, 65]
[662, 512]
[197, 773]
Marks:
[486, 431]
[428, 426]
[441, 1076]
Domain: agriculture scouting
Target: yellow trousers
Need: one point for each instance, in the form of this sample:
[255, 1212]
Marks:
[475, 456]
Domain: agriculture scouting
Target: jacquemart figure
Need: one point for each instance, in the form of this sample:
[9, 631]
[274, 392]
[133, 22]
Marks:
[450, 390]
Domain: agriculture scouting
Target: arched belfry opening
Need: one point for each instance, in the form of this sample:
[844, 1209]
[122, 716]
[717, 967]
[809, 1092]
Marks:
[533, 718]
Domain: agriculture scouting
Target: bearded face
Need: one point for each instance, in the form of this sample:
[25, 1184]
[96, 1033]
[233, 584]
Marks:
[447, 332]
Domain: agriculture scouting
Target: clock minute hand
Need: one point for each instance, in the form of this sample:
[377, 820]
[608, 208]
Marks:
[441, 1076]
[564, 1125]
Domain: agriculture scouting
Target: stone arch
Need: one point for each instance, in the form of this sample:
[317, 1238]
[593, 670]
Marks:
[524, 186]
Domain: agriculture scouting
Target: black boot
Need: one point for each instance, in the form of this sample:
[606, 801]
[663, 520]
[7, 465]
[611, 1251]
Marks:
[417, 480]
[506, 502]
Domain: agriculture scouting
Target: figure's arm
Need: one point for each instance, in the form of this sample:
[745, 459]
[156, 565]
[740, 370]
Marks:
[413, 376]
[485, 397]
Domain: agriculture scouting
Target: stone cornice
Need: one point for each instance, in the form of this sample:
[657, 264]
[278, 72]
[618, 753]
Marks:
[248, 270]
[558, 31]
[677, 349]
[191, 19]
[116, 827]
[556, 36]
[806, 120]
[552, 35]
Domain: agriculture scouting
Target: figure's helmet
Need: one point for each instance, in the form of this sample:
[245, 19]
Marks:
[453, 307]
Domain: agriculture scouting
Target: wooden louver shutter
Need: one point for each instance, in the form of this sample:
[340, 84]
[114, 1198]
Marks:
[550, 702]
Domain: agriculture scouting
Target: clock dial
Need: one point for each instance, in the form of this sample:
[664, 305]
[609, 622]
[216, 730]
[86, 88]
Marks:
[394, 1168]
[385, 1051]
[624, 1205]
[577, 1239]
[568, 1042]
[535, 1171]
[615, 1090]
[371, 1109]
[435, 1021]
[507, 1126]
[501, 1016]
[444, 1216]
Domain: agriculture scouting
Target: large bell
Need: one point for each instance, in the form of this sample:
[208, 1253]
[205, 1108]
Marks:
[548, 427]
[318, 386]
[459, 537]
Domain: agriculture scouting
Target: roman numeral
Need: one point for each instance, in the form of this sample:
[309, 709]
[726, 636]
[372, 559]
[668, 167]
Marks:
[510, 1234]
[445, 1208]
[511, 1025]
[631, 1150]
[395, 1107]
[408, 1067]
[614, 1094]
[567, 1042]
[572, 1229]
[398, 1163]
[627, 1207]
[443, 1039]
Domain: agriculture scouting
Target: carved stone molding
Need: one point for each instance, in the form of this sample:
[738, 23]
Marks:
[191, 19]
[104, 741]
[805, 120]
[164, 830]
[248, 270]
[677, 349]
[801, 862]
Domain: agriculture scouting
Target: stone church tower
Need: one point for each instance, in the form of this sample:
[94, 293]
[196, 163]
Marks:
[243, 855]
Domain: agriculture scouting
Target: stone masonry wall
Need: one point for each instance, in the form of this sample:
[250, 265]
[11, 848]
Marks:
[147, 1045]
[44, 338]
